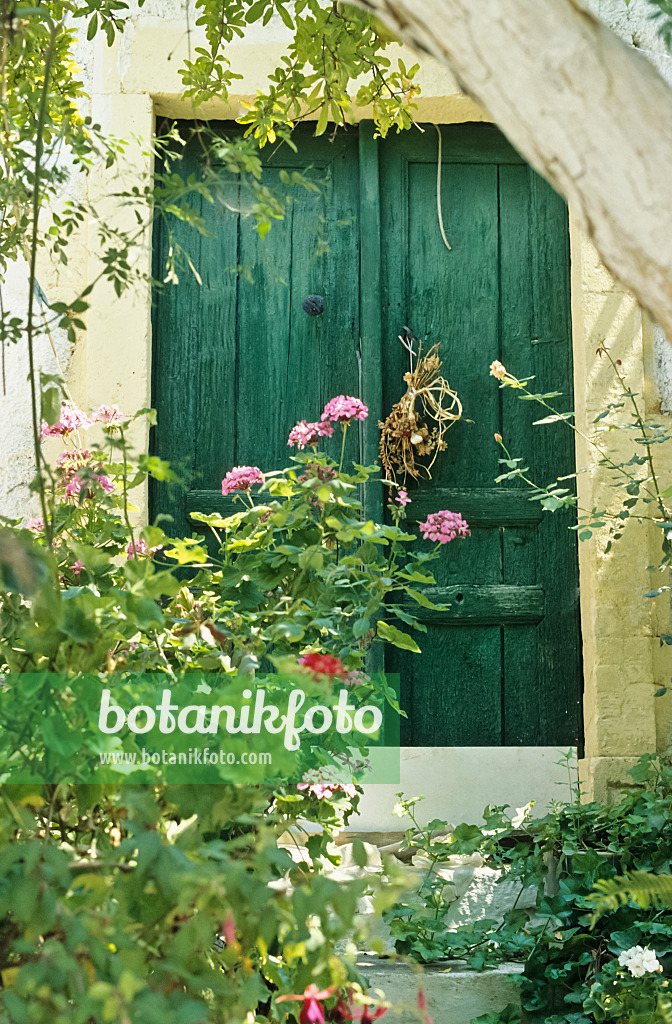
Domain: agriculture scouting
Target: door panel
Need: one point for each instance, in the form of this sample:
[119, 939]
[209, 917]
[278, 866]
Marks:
[504, 666]
[237, 361]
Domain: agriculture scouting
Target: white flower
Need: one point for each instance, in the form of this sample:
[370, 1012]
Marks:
[639, 961]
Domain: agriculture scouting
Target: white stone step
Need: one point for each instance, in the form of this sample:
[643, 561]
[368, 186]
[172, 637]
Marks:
[454, 993]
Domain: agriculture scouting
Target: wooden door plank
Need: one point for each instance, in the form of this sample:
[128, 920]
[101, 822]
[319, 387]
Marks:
[523, 693]
[451, 297]
[462, 143]
[487, 605]
[177, 334]
[480, 506]
[371, 347]
[370, 302]
[560, 665]
[457, 710]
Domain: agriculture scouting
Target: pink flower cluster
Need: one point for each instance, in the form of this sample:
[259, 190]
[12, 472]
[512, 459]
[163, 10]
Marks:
[341, 409]
[74, 485]
[308, 433]
[69, 420]
[325, 782]
[241, 478]
[444, 526]
[72, 464]
[72, 418]
[36, 524]
[344, 408]
[141, 548]
[109, 416]
[356, 678]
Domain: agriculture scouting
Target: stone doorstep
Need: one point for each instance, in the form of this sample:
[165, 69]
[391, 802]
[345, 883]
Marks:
[455, 993]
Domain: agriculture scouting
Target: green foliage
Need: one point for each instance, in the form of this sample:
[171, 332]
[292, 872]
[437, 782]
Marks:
[573, 859]
[641, 887]
[304, 568]
[111, 893]
[637, 479]
[332, 46]
[509, 1015]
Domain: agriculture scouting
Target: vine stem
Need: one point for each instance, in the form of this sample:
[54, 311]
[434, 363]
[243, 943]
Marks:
[521, 386]
[126, 516]
[640, 423]
[30, 328]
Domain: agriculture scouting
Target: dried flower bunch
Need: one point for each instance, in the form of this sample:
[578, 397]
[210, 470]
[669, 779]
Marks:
[415, 428]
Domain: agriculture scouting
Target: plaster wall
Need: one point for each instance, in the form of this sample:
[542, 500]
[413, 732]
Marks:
[138, 79]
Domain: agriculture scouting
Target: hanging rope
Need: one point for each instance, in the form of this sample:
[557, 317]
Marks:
[438, 190]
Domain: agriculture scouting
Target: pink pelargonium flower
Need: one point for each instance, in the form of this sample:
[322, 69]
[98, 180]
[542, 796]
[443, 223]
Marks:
[72, 461]
[344, 408]
[74, 485]
[70, 419]
[36, 524]
[324, 783]
[444, 526]
[402, 498]
[241, 478]
[141, 548]
[308, 433]
[104, 481]
[108, 415]
[356, 678]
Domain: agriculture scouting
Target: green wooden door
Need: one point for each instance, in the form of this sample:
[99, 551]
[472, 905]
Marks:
[237, 361]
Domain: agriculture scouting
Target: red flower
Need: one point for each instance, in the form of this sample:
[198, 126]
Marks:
[366, 1017]
[343, 1011]
[323, 664]
[340, 1012]
[311, 1011]
[229, 930]
[422, 1006]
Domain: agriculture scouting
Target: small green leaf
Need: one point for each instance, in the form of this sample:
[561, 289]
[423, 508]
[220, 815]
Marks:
[388, 632]
[51, 405]
[284, 14]
[323, 120]
[256, 10]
